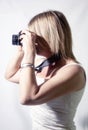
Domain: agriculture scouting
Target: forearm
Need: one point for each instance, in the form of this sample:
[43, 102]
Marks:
[14, 64]
[27, 82]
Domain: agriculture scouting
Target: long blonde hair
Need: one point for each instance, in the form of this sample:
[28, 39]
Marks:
[53, 26]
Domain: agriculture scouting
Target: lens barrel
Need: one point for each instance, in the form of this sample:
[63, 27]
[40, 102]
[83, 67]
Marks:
[15, 40]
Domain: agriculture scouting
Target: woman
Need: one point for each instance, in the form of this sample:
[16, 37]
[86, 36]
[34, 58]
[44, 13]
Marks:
[56, 88]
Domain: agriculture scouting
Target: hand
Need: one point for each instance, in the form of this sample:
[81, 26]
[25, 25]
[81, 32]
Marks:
[28, 46]
[28, 41]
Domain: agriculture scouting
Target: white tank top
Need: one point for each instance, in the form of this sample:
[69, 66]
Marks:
[57, 114]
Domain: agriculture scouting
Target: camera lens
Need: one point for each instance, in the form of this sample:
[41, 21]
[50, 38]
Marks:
[15, 40]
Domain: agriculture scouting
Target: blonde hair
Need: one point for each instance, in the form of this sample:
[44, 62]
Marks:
[54, 28]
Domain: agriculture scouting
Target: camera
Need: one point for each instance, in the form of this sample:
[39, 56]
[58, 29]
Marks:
[16, 40]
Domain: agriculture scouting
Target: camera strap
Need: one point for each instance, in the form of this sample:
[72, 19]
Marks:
[53, 59]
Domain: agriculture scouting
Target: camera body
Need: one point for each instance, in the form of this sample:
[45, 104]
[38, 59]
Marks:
[16, 40]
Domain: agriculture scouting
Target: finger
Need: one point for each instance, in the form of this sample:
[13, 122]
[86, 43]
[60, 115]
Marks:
[20, 32]
[26, 34]
[25, 31]
[21, 36]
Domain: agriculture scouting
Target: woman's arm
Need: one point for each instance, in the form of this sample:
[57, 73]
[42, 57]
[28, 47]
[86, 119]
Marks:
[13, 68]
[67, 80]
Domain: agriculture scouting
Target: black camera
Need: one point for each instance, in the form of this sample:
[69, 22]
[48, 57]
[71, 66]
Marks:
[16, 40]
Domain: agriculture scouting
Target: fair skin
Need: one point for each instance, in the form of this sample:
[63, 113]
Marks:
[65, 79]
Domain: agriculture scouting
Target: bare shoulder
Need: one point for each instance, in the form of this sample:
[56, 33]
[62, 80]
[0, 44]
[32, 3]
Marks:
[73, 74]
[73, 68]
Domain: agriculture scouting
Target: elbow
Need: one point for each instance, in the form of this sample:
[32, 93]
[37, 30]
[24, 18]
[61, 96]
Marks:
[6, 76]
[26, 101]
[28, 98]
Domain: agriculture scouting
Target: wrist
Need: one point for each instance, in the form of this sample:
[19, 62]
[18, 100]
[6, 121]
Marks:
[28, 58]
[25, 65]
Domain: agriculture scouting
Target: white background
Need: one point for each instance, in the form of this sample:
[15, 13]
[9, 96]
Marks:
[14, 16]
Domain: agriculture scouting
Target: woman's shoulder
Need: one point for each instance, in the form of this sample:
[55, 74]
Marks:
[74, 70]
[74, 66]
